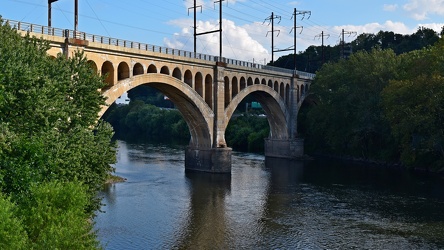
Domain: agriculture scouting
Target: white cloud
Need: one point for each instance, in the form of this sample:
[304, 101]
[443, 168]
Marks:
[390, 7]
[237, 42]
[422, 9]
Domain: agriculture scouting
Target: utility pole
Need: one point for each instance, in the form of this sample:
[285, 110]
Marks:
[349, 33]
[49, 11]
[322, 36]
[271, 19]
[76, 17]
[195, 23]
[295, 13]
[208, 32]
[76, 14]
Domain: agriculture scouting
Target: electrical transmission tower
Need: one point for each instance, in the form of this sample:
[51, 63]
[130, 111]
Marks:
[271, 20]
[349, 33]
[208, 32]
[322, 35]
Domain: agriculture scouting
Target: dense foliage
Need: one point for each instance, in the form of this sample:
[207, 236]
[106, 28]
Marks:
[313, 57]
[247, 132]
[146, 122]
[380, 106]
[53, 155]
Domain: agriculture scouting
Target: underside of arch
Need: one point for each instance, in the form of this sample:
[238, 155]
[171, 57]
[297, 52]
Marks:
[196, 113]
[273, 105]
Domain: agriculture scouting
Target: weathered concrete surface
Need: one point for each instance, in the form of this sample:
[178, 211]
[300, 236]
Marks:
[290, 148]
[211, 160]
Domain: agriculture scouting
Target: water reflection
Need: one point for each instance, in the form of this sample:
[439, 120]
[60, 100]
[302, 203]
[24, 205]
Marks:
[267, 204]
[207, 222]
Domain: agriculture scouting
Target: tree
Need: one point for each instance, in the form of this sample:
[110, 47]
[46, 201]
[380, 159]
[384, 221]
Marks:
[414, 106]
[347, 119]
[54, 155]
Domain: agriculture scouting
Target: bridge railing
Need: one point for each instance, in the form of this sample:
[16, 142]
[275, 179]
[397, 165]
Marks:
[66, 33]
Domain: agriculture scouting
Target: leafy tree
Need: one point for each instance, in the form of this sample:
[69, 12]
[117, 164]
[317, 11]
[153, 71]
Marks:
[12, 233]
[55, 217]
[49, 110]
[414, 105]
[347, 119]
[54, 155]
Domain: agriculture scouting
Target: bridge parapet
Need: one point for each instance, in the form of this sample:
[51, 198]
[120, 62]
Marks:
[70, 34]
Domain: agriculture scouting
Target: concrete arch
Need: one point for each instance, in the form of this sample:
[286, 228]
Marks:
[197, 114]
[188, 78]
[264, 82]
[107, 70]
[165, 70]
[198, 83]
[152, 69]
[209, 90]
[92, 65]
[123, 71]
[287, 94]
[273, 105]
[249, 81]
[177, 74]
[242, 84]
[276, 86]
[234, 87]
[257, 81]
[227, 90]
[138, 69]
[282, 90]
[270, 83]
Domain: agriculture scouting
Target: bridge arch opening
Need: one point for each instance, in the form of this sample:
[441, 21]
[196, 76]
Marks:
[264, 111]
[257, 81]
[249, 81]
[209, 90]
[165, 70]
[198, 84]
[152, 69]
[138, 69]
[287, 94]
[264, 82]
[108, 71]
[242, 83]
[227, 96]
[276, 86]
[281, 90]
[192, 108]
[177, 74]
[270, 83]
[123, 71]
[92, 65]
[234, 87]
[188, 78]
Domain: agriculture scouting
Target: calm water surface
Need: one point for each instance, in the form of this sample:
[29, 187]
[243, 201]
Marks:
[267, 204]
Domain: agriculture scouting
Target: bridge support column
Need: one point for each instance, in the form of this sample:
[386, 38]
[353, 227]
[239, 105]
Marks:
[291, 148]
[211, 160]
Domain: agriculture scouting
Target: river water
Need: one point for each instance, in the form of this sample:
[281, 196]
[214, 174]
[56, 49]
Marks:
[267, 204]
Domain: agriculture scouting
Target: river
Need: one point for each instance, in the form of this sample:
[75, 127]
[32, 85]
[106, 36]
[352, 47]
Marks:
[267, 204]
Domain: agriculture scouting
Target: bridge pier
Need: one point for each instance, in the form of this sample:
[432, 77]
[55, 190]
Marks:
[211, 160]
[284, 148]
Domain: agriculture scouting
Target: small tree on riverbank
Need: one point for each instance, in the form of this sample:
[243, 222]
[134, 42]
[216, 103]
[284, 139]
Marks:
[48, 125]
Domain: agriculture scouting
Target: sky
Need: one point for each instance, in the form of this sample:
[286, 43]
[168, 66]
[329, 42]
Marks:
[246, 30]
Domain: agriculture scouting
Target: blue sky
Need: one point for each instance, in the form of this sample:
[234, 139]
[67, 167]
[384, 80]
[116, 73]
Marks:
[168, 23]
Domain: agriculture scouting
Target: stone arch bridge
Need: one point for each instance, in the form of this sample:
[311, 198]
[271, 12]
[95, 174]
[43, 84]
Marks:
[205, 89]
